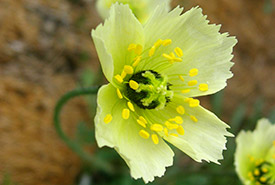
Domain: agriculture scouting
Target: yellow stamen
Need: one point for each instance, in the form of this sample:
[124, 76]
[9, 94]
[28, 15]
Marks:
[143, 119]
[123, 74]
[141, 123]
[155, 139]
[119, 78]
[137, 60]
[166, 42]
[119, 93]
[131, 106]
[187, 99]
[273, 156]
[193, 72]
[128, 69]
[133, 84]
[175, 135]
[144, 134]
[156, 127]
[265, 170]
[171, 126]
[138, 49]
[158, 43]
[177, 59]
[185, 91]
[167, 56]
[178, 120]
[181, 78]
[125, 113]
[180, 109]
[194, 103]
[108, 118]
[203, 87]
[178, 51]
[180, 130]
[132, 47]
[193, 118]
[192, 82]
[256, 172]
[263, 179]
[165, 131]
[152, 51]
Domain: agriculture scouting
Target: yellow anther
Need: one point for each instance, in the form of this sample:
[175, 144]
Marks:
[203, 87]
[171, 126]
[108, 118]
[144, 134]
[193, 118]
[141, 123]
[119, 93]
[123, 74]
[156, 127]
[137, 60]
[132, 47]
[172, 55]
[158, 43]
[155, 138]
[165, 131]
[185, 91]
[194, 103]
[265, 170]
[273, 156]
[178, 51]
[192, 82]
[131, 106]
[180, 130]
[175, 135]
[138, 49]
[187, 99]
[166, 42]
[180, 109]
[142, 119]
[263, 179]
[181, 78]
[178, 120]
[125, 113]
[193, 72]
[119, 78]
[133, 84]
[167, 56]
[177, 59]
[128, 69]
[152, 51]
[256, 172]
[257, 183]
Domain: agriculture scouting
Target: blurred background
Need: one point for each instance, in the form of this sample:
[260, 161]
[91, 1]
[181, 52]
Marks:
[46, 50]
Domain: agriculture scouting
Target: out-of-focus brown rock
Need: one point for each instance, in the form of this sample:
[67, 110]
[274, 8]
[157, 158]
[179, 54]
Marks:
[31, 152]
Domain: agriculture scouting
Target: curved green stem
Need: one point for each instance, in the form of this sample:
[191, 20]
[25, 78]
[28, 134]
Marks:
[95, 162]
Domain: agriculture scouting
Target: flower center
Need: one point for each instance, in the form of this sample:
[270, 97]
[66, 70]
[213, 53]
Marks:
[149, 90]
[261, 173]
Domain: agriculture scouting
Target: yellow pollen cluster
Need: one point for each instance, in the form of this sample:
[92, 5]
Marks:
[108, 118]
[133, 84]
[158, 44]
[193, 84]
[125, 113]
